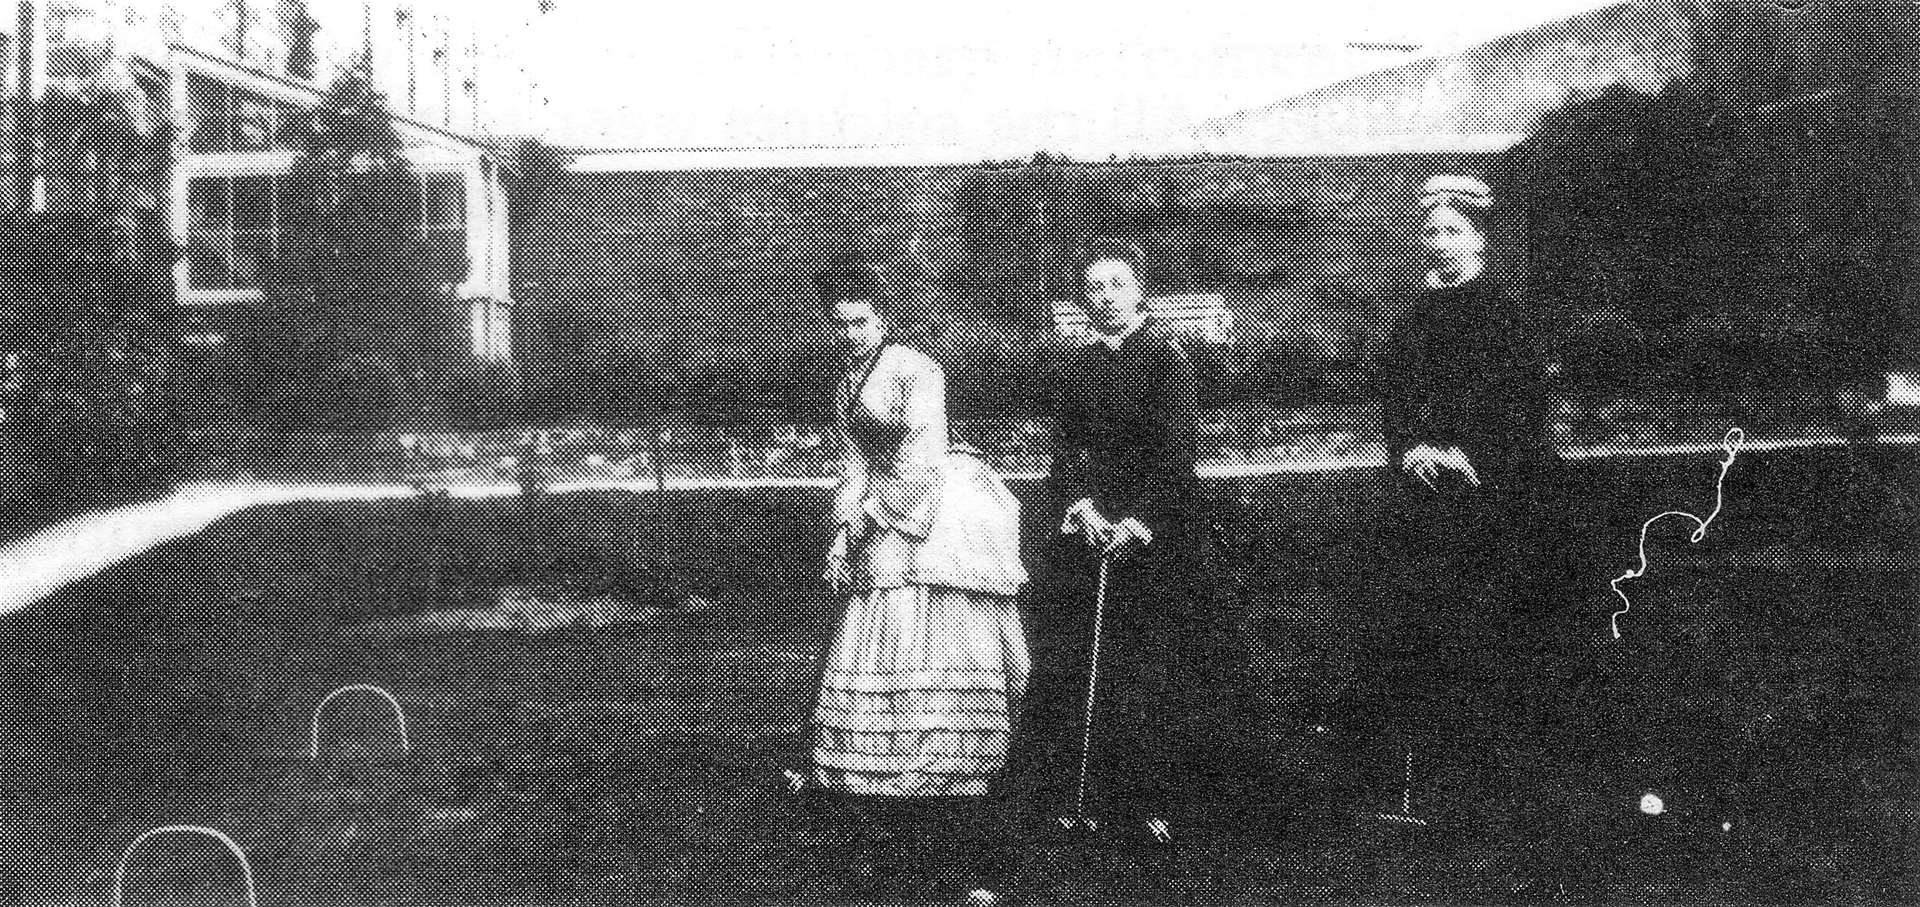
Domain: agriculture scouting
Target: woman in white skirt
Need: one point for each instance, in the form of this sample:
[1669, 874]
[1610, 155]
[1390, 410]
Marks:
[922, 675]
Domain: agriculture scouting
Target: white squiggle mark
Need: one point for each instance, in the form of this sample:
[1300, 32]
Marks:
[1731, 444]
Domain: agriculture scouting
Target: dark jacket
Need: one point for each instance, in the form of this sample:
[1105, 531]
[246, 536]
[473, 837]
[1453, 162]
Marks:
[1468, 570]
[1172, 715]
[1124, 433]
[1466, 368]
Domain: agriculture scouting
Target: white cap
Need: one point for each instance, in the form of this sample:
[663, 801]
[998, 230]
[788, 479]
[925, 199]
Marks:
[1455, 190]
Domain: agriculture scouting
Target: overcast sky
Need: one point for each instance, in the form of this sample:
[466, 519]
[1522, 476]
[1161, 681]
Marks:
[996, 76]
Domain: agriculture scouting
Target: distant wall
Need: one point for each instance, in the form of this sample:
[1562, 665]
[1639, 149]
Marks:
[695, 284]
[1712, 187]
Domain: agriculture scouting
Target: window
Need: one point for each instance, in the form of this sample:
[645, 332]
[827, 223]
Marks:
[227, 118]
[233, 231]
[443, 200]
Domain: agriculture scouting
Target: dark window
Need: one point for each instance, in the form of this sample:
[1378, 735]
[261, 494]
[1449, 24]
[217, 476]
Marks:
[233, 231]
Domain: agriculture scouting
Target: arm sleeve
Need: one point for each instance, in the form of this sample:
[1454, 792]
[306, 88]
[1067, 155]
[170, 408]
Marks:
[1395, 389]
[847, 511]
[906, 497]
[1066, 480]
[1166, 496]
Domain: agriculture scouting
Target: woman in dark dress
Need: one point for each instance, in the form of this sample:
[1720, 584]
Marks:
[1455, 689]
[1158, 757]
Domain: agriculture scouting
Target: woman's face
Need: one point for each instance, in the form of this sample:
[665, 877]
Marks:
[857, 326]
[1113, 295]
[1458, 247]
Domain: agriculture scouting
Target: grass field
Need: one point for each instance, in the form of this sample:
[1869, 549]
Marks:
[595, 684]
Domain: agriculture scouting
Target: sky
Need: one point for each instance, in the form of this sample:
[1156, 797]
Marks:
[994, 77]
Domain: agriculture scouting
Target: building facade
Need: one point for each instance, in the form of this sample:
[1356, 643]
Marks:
[223, 78]
[231, 157]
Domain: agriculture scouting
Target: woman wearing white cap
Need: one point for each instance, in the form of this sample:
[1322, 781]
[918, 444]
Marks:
[1464, 404]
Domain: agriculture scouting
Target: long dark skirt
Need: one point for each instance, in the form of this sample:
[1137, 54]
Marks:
[1456, 699]
[1173, 730]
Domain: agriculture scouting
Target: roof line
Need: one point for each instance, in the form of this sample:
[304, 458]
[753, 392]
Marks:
[772, 158]
[1336, 90]
[671, 160]
[319, 93]
[690, 149]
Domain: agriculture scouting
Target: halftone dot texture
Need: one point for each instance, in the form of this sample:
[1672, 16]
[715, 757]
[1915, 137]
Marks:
[1710, 214]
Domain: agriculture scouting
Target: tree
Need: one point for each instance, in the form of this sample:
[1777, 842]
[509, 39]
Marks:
[535, 195]
[299, 27]
[356, 307]
[86, 305]
[1750, 223]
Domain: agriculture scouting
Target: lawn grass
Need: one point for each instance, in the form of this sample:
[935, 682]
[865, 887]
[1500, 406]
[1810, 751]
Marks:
[618, 758]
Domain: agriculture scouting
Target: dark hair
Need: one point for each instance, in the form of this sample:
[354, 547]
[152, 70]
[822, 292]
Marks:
[1109, 249]
[849, 278]
[852, 278]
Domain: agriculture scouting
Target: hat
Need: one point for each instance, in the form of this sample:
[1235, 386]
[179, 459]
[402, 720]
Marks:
[1455, 191]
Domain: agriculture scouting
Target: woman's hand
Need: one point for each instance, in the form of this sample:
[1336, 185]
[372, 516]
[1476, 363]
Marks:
[837, 574]
[1427, 462]
[1085, 520]
[1128, 536]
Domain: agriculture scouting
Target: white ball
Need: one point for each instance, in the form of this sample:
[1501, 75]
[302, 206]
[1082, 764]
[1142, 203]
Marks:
[1652, 805]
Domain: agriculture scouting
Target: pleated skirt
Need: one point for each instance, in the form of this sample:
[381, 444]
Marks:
[917, 693]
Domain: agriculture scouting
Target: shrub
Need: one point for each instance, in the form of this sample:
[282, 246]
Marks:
[86, 306]
[86, 322]
[358, 303]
